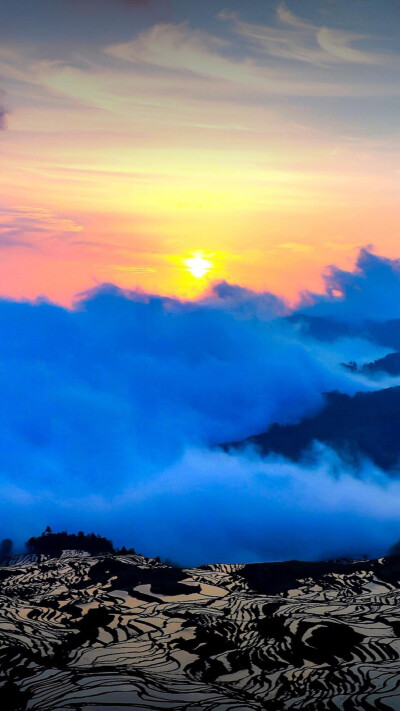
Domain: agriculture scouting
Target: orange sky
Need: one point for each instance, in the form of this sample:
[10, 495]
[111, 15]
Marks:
[259, 138]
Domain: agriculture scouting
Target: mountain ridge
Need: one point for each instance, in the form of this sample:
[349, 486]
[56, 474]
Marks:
[365, 425]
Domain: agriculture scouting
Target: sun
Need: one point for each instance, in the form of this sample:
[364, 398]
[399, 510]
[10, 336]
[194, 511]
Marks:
[197, 265]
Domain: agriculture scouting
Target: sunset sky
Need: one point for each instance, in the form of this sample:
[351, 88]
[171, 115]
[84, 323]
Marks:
[258, 138]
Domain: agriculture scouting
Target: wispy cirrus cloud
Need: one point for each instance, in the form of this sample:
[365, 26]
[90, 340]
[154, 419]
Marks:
[180, 48]
[172, 46]
[337, 44]
[25, 226]
[302, 41]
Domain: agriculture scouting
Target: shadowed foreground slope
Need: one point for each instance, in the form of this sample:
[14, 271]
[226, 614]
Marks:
[111, 632]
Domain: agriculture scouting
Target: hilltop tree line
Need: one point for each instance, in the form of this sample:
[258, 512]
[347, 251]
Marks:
[54, 543]
[50, 543]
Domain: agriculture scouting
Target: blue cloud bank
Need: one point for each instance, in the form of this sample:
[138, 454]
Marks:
[110, 411]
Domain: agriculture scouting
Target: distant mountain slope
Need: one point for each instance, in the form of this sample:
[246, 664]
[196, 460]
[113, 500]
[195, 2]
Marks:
[367, 424]
[323, 328]
[124, 632]
[389, 365]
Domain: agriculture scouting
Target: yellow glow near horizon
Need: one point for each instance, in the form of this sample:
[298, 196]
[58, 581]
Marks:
[142, 170]
[197, 265]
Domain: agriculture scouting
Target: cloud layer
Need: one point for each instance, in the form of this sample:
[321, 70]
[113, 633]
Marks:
[110, 413]
[370, 292]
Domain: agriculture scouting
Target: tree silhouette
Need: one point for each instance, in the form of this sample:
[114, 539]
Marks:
[54, 543]
[6, 547]
[395, 548]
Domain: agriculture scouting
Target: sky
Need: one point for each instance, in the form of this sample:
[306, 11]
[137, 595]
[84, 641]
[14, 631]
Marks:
[177, 178]
[258, 138]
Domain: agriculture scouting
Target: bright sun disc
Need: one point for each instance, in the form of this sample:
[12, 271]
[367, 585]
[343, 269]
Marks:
[198, 266]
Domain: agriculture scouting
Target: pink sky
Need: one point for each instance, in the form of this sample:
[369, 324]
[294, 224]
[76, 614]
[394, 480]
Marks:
[260, 139]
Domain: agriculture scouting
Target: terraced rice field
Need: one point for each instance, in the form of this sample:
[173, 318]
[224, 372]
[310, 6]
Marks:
[111, 632]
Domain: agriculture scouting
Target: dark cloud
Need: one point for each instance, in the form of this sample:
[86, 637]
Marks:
[3, 110]
[3, 116]
[133, 3]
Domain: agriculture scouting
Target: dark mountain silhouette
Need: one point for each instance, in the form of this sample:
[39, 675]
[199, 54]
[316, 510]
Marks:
[278, 578]
[366, 425]
[390, 365]
[323, 328]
